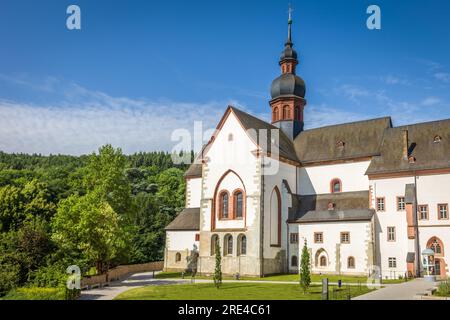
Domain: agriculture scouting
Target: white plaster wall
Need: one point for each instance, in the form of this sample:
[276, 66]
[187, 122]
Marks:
[285, 172]
[431, 190]
[235, 155]
[317, 179]
[360, 236]
[193, 192]
[390, 189]
[181, 240]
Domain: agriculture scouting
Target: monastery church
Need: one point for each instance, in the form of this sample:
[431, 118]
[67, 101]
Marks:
[360, 194]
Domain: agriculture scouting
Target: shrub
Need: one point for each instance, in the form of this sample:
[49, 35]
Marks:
[34, 293]
[48, 276]
[444, 288]
[9, 277]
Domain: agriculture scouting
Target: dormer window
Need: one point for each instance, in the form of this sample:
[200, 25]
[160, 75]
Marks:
[340, 144]
[330, 206]
[411, 159]
[437, 139]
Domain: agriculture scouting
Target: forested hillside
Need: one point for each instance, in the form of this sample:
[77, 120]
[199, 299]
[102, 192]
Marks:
[94, 211]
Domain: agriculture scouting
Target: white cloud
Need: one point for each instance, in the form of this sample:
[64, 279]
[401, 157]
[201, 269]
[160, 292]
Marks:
[352, 92]
[430, 101]
[394, 80]
[86, 120]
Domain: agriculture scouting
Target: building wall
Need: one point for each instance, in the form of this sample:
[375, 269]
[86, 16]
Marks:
[276, 255]
[232, 163]
[193, 192]
[431, 190]
[317, 179]
[182, 242]
[336, 253]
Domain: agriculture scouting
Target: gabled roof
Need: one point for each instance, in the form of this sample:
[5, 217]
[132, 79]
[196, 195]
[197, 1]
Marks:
[348, 206]
[286, 148]
[427, 153]
[360, 139]
[187, 219]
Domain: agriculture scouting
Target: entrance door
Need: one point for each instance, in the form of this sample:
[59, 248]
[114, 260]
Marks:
[437, 267]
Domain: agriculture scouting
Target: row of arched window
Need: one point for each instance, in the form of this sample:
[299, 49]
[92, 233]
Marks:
[284, 113]
[231, 208]
[323, 262]
[228, 245]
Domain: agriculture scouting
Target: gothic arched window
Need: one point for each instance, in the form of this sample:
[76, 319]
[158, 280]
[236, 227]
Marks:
[242, 245]
[177, 257]
[323, 261]
[214, 242]
[238, 202]
[228, 245]
[223, 205]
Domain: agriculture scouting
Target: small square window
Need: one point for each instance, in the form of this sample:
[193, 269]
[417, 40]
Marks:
[423, 211]
[380, 204]
[345, 237]
[391, 233]
[401, 204]
[294, 237]
[392, 262]
[318, 237]
[442, 211]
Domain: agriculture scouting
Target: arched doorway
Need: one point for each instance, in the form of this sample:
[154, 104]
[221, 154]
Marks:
[437, 246]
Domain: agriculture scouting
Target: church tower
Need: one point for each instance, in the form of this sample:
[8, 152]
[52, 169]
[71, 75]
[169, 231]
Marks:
[288, 92]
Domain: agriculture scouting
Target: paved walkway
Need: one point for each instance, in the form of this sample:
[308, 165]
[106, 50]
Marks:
[402, 291]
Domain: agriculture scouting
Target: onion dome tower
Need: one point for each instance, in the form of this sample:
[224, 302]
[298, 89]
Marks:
[288, 92]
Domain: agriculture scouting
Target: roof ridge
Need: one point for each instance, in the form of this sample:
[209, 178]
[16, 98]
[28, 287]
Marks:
[250, 115]
[347, 123]
[420, 123]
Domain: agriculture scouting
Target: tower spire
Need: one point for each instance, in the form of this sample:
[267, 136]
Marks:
[290, 10]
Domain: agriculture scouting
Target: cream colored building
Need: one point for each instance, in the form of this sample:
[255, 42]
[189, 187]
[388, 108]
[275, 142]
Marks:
[362, 196]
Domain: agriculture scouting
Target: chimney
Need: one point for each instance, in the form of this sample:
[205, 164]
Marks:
[405, 144]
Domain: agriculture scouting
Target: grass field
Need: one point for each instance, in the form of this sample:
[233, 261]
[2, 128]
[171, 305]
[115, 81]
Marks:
[237, 291]
[282, 277]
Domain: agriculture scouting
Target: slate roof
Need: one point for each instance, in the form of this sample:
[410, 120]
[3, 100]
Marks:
[187, 219]
[427, 153]
[250, 122]
[348, 206]
[361, 139]
[194, 170]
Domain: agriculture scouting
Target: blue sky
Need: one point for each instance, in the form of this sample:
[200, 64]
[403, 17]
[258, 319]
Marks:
[140, 69]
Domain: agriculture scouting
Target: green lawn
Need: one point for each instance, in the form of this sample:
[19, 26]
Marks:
[236, 291]
[280, 277]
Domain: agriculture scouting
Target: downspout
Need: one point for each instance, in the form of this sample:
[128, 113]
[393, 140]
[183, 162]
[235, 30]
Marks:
[261, 245]
[416, 227]
[287, 245]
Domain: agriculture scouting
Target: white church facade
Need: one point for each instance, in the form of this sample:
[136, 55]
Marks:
[360, 194]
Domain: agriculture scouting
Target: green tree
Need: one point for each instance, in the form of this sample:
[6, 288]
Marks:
[305, 273]
[106, 174]
[88, 224]
[218, 268]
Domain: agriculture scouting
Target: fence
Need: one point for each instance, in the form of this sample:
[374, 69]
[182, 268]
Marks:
[119, 273]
